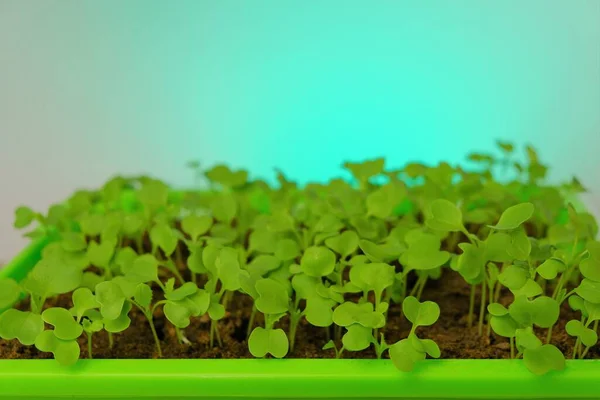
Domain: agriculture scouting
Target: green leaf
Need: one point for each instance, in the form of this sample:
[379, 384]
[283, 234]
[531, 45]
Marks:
[24, 216]
[514, 216]
[375, 276]
[263, 241]
[21, 325]
[443, 215]
[382, 202]
[424, 253]
[224, 208]
[542, 311]
[100, 254]
[592, 310]
[163, 236]
[185, 290]
[513, 277]
[317, 261]
[350, 313]
[544, 359]
[120, 323]
[125, 258]
[228, 268]
[9, 292]
[281, 222]
[73, 242]
[425, 346]
[588, 336]
[263, 264]
[51, 278]
[344, 244]
[305, 286]
[318, 311]
[273, 297]
[111, 299]
[384, 252]
[195, 263]
[471, 263]
[589, 290]
[83, 300]
[550, 268]
[143, 295]
[223, 175]
[357, 338]
[65, 327]
[527, 339]
[196, 226]
[504, 325]
[520, 246]
[92, 224]
[577, 304]
[496, 246]
[216, 311]
[590, 266]
[328, 223]
[66, 352]
[530, 289]
[268, 341]
[144, 269]
[420, 313]
[497, 309]
[287, 249]
[178, 314]
[133, 224]
[198, 303]
[404, 355]
[362, 172]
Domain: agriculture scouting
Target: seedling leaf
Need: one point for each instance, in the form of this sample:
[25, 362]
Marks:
[544, 359]
[514, 216]
[317, 261]
[420, 313]
[443, 215]
[268, 341]
[21, 325]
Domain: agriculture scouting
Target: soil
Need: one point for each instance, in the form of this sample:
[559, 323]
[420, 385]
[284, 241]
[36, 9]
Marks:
[451, 333]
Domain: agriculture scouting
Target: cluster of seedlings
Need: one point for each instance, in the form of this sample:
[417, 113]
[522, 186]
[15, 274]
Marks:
[335, 255]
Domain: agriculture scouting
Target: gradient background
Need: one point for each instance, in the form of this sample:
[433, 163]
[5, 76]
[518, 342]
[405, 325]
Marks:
[89, 89]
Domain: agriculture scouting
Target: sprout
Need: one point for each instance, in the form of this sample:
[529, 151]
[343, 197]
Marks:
[335, 255]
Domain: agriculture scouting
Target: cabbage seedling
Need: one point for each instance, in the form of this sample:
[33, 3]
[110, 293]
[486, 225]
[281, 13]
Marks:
[407, 352]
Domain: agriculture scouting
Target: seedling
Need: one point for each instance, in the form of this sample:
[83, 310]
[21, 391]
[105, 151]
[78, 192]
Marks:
[349, 259]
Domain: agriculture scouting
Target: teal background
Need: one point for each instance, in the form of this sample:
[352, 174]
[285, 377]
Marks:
[89, 89]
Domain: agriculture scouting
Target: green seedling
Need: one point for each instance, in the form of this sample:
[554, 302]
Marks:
[335, 255]
[516, 323]
[407, 352]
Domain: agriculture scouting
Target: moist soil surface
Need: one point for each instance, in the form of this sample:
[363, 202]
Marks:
[450, 332]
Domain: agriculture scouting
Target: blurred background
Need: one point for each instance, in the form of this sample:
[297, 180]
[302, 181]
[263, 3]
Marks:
[90, 89]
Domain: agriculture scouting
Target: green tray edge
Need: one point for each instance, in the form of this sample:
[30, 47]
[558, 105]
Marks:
[287, 378]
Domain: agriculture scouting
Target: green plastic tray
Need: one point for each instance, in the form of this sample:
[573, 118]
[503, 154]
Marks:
[282, 379]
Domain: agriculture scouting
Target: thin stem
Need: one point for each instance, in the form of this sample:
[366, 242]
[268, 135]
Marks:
[576, 348]
[420, 292]
[512, 347]
[218, 335]
[482, 306]
[139, 244]
[489, 325]
[251, 322]
[471, 305]
[89, 345]
[153, 329]
[587, 348]
[111, 341]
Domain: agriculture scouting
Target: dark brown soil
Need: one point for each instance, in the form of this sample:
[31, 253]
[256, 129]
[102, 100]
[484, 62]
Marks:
[451, 333]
